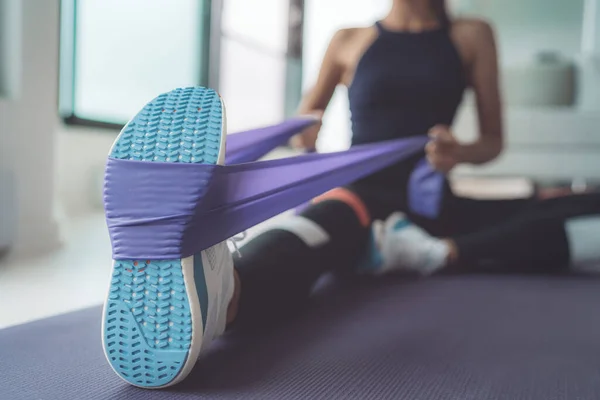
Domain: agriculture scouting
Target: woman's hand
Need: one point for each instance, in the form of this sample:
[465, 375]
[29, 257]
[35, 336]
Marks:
[307, 139]
[443, 149]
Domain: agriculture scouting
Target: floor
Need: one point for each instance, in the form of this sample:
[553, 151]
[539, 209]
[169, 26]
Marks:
[73, 277]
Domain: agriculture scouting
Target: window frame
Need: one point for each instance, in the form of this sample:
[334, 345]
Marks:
[295, 60]
[68, 57]
[210, 53]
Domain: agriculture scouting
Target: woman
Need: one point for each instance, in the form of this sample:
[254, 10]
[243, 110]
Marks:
[406, 77]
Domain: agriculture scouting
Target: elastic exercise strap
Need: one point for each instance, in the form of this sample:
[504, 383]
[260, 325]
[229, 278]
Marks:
[251, 145]
[199, 205]
[425, 190]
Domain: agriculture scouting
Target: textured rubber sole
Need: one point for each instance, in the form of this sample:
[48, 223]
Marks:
[150, 322]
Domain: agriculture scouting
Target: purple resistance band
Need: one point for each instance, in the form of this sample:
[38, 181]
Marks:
[200, 205]
[425, 190]
[425, 184]
[251, 145]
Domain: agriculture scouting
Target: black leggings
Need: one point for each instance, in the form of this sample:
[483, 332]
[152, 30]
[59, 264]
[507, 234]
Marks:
[278, 269]
[533, 240]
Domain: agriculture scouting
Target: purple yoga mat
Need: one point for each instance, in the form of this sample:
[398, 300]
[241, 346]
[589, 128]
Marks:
[483, 337]
[199, 205]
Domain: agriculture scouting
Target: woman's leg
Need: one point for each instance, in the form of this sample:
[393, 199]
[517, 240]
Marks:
[547, 236]
[278, 268]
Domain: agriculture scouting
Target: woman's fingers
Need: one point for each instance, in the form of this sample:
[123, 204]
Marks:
[441, 149]
[439, 131]
[441, 163]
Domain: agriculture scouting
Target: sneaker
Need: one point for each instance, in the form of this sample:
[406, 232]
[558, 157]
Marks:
[372, 261]
[399, 245]
[161, 314]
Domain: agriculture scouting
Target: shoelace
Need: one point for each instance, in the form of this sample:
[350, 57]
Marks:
[235, 240]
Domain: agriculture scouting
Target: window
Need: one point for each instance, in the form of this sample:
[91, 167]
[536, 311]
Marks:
[117, 55]
[10, 63]
[259, 77]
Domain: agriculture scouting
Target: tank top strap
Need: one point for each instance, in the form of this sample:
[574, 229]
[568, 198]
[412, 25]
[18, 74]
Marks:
[380, 27]
[445, 28]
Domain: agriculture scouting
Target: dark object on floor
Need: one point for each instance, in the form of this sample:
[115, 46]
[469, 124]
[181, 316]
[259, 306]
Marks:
[465, 337]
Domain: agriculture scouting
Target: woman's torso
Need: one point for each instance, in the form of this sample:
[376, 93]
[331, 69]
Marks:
[401, 84]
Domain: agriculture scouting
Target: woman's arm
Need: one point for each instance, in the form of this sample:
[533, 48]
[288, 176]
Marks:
[444, 152]
[485, 82]
[316, 100]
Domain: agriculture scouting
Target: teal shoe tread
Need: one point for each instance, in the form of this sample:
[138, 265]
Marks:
[147, 322]
[183, 125]
[148, 327]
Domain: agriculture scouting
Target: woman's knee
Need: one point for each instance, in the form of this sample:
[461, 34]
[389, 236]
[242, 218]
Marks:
[345, 203]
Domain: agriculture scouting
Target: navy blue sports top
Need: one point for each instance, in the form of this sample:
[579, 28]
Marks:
[404, 84]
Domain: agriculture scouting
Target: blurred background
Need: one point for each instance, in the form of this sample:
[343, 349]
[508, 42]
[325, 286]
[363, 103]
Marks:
[72, 72]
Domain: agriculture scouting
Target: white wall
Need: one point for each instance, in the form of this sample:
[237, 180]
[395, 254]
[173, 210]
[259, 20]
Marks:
[525, 27]
[56, 168]
[28, 122]
[81, 156]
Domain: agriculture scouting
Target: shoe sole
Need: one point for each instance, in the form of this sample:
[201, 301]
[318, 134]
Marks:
[152, 326]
